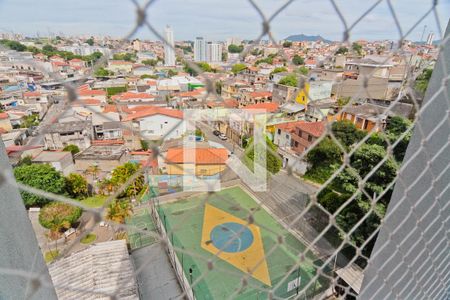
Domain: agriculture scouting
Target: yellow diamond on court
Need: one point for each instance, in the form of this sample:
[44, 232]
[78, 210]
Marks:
[236, 242]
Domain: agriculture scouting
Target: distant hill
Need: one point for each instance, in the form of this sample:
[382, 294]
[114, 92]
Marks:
[306, 38]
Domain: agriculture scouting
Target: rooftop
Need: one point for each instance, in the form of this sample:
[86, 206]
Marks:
[104, 268]
[100, 152]
[202, 156]
[49, 156]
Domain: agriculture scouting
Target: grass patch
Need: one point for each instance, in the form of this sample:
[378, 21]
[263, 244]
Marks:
[94, 201]
[49, 256]
[88, 239]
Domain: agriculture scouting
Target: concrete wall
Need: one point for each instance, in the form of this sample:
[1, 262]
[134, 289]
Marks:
[19, 250]
[411, 257]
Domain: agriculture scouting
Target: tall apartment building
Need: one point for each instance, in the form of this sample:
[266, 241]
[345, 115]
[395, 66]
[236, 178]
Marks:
[199, 49]
[430, 39]
[169, 51]
[213, 52]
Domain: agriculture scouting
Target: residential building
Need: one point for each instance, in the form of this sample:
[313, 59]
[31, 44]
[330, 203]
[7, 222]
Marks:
[107, 158]
[314, 91]
[169, 52]
[205, 161]
[213, 52]
[155, 123]
[120, 66]
[59, 135]
[283, 93]
[305, 134]
[199, 49]
[106, 266]
[62, 161]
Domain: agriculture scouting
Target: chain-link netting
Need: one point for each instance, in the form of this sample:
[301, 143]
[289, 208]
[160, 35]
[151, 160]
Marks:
[303, 237]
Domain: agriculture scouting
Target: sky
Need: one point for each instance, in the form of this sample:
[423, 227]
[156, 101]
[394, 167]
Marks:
[221, 19]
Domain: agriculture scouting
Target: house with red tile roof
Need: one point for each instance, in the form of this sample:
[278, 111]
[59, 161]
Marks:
[205, 161]
[85, 92]
[305, 134]
[133, 97]
[120, 66]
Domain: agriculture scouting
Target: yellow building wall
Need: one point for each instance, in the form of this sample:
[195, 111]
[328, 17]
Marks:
[200, 170]
[302, 96]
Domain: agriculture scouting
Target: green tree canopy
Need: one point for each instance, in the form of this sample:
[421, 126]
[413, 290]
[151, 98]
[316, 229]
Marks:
[342, 50]
[273, 160]
[287, 44]
[235, 48]
[41, 176]
[357, 48]
[347, 133]
[278, 70]
[422, 80]
[125, 56]
[298, 60]
[90, 41]
[57, 216]
[102, 72]
[302, 70]
[122, 173]
[289, 80]
[77, 186]
[118, 211]
[150, 62]
[72, 148]
[238, 68]
[13, 45]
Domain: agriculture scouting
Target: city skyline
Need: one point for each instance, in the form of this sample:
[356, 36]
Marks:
[216, 20]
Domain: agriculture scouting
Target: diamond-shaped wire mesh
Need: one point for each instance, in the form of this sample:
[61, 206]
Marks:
[314, 238]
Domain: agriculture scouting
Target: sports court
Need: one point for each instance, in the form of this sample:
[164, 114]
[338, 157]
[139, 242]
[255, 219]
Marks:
[218, 230]
[140, 223]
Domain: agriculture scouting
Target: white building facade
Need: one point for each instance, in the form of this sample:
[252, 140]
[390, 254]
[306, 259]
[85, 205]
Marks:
[213, 52]
[199, 49]
[169, 47]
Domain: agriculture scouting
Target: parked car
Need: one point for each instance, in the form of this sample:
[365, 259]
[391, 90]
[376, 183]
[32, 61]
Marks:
[216, 132]
[223, 137]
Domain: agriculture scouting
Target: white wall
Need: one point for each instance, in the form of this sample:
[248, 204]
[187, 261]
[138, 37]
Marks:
[157, 126]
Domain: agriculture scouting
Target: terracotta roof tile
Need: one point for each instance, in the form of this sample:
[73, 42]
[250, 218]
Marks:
[203, 156]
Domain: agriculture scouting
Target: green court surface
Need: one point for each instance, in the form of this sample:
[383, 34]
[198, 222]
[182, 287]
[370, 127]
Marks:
[184, 220]
[139, 224]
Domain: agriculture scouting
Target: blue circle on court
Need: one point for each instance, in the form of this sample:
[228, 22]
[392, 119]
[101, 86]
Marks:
[231, 237]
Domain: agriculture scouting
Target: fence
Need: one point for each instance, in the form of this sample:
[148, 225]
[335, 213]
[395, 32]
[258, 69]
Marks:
[375, 227]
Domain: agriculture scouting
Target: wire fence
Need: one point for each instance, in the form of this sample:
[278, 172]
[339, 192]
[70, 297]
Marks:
[315, 240]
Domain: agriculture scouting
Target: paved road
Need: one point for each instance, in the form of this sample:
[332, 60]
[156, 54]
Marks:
[50, 117]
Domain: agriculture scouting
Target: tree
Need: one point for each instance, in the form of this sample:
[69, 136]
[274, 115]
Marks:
[238, 68]
[49, 48]
[342, 50]
[198, 132]
[357, 48]
[57, 216]
[150, 62]
[303, 70]
[218, 84]
[144, 145]
[347, 133]
[90, 41]
[102, 72]
[118, 211]
[171, 73]
[235, 48]
[26, 161]
[289, 80]
[287, 44]
[278, 70]
[29, 121]
[394, 130]
[120, 176]
[145, 76]
[298, 60]
[72, 148]
[273, 160]
[92, 170]
[422, 80]
[324, 153]
[343, 101]
[13, 45]
[77, 186]
[124, 56]
[41, 176]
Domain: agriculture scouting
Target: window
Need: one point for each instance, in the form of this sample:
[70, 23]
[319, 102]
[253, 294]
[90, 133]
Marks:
[279, 131]
[296, 144]
[309, 138]
[287, 136]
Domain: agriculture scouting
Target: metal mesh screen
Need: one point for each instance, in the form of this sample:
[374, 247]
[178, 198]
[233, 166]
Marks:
[316, 239]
